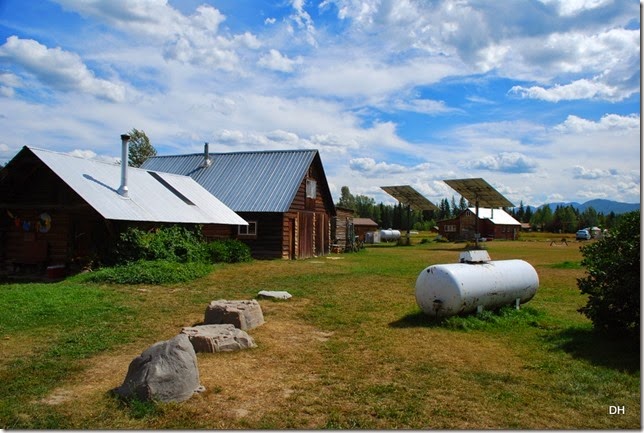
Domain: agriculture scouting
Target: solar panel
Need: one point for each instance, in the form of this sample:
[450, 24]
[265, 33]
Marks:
[405, 194]
[478, 190]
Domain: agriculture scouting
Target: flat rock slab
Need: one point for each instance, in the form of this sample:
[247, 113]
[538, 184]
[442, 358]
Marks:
[166, 371]
[244, 315]
[274, 294]
[218, 338]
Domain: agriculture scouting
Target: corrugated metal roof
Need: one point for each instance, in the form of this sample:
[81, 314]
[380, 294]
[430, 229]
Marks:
[163, 197]
[497, 216]
[263, 181]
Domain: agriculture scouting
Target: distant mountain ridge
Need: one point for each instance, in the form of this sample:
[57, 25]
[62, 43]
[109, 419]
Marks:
[600, 205]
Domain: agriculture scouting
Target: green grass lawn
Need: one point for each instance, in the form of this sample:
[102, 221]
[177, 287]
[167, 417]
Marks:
[351, 349]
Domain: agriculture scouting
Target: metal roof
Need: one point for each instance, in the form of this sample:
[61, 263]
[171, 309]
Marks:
[158, 197]
[262, 181]
[497, 216]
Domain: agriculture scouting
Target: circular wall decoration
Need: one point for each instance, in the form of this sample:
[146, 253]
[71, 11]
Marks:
[45, 222]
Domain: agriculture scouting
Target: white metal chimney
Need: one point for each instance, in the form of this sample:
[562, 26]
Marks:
[206, 156]
[124, 158]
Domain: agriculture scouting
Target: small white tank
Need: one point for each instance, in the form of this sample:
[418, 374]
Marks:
[461, 288]
[389, 235]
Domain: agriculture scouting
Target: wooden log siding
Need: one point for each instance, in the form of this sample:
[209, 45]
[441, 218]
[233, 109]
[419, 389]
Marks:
[268, 243]
[71, 219]
[212, 232]
[309, 218]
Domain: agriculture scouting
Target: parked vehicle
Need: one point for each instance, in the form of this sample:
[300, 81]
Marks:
[583, 235]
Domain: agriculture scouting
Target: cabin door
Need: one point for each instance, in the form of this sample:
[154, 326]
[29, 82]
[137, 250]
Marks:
[305, 238]
[321, 234]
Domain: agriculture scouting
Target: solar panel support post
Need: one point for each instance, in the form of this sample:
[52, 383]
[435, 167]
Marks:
[408, 223]
[476, 232]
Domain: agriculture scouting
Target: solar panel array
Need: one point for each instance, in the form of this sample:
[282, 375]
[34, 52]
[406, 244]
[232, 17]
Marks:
[405, 194]
[477, 190]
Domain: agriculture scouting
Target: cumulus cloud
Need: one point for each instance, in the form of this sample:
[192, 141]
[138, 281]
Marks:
[60, 69]
[509, 162]
[276, 61]
[580, 172]
[609, 122]
[370, 168]
[8, 83]
[574, 7]
[580, 89]
[90, 154]
[584, 59]
[192, 39]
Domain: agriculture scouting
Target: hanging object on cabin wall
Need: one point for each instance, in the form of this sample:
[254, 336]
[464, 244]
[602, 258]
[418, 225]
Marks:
[45, 222]
[26, 226]
[16, 220]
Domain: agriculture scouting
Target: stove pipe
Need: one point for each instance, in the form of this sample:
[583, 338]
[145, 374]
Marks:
[206, 156]
[124, 158]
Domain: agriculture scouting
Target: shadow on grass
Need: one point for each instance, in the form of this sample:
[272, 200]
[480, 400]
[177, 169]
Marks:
[599, 349]
[416, 320]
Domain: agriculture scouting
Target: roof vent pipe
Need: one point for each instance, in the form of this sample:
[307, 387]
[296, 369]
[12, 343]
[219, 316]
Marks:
[206, 155]
[124, 157]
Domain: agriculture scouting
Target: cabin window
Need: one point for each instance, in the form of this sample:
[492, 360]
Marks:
[249, 230]
[311, 188]
[450, 228]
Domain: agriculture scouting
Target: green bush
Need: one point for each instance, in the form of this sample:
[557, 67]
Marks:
[613, 280]
[173, 243]
[228, 251]
[150, 272]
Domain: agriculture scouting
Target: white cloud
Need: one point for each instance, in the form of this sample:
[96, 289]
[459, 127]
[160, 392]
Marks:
[304, 21]
[609, 122]
[580, 172]
[574, 7]
[425, 106]
[370, 168]
[192, 39]
[57, 68]
[509, 162]
[276, 61]
[371, 79]
[580, 89]
[90, 154]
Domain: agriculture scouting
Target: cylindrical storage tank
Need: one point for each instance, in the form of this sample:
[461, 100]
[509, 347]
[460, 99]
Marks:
[389, 235]
[461, 288]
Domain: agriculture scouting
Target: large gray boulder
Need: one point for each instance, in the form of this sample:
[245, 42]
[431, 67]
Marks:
[166, 371]
[218, 338]
[244, 315]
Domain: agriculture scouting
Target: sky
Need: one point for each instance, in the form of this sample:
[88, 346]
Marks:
[541, 98]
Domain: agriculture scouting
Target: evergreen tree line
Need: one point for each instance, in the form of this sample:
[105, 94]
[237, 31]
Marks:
[564, 219]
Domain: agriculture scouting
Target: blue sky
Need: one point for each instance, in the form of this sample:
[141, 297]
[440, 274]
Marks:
[541, 98]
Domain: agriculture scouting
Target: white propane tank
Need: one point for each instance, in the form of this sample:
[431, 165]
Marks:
[389, 235]
[461, 288]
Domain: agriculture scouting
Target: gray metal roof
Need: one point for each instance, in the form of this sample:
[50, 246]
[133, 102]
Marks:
[263, 181]
[162, 197]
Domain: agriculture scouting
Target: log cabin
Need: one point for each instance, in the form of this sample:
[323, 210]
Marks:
[57, 209]
[282, 194]
[493, 224]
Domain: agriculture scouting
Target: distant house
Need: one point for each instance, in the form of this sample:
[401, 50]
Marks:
[364, 225]
[284, 196]
[56, 209]
[493, 224]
